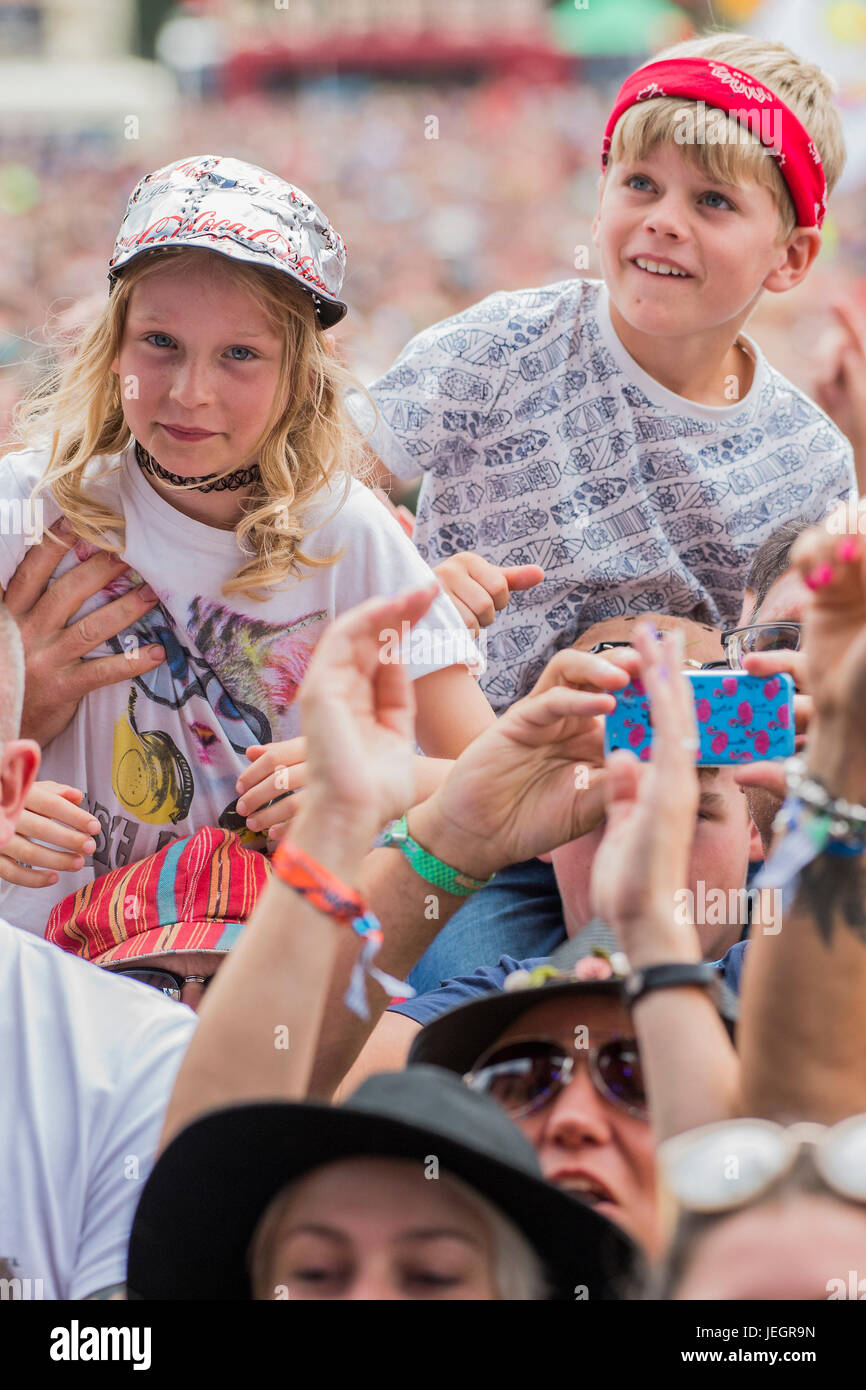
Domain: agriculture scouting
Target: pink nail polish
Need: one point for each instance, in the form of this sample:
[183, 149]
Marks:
[819, 577]
[846, 549]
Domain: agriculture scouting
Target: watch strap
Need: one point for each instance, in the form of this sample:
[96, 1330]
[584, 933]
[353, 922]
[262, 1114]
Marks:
[670, 976]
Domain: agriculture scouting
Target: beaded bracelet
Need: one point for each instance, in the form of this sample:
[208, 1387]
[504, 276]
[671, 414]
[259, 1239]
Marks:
[325, 892]
[812, 823]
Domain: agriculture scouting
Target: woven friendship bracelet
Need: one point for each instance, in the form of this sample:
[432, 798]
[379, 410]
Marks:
[327, 894]
[315, 883]
[427, 866]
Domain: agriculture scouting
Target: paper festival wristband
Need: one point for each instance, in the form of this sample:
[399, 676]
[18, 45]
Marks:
[327, 894]
[427, 866]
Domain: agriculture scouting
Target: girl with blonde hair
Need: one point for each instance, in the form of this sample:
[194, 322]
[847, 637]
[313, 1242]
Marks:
[198, 433]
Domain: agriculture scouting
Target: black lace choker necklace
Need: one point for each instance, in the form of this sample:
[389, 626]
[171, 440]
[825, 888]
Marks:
[229, 482]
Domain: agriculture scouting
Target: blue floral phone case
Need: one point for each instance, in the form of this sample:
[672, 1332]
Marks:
[741, 718]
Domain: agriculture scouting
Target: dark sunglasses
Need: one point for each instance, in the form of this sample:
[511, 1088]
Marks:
[166, 980]
[696, 665]
[524, 1076]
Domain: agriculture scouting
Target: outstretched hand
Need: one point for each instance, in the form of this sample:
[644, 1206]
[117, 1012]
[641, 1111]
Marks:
[524, 786]
[357, 713]
[651, 808]
[833, 565]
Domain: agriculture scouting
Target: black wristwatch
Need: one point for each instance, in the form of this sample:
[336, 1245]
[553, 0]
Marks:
[641, 982]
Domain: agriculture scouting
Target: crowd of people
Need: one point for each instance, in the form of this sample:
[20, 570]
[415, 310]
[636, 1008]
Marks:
[427, 990]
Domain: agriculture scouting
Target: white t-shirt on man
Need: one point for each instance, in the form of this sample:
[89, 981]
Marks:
[159, 757]
[541, 441]
[88, 1065]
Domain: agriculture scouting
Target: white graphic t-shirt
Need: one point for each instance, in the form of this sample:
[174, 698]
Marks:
[89, 1063]
[541, 441]
[158, 756]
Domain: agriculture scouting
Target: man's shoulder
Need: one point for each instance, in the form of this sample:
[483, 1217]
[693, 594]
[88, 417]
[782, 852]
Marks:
[102, 1003]
[463, 989]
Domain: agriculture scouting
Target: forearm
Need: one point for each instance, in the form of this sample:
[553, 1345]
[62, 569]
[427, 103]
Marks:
[803, 1030]
[430, 773]
[803, 1033]
[260, 1019]
[690, 1068]
[411, 912]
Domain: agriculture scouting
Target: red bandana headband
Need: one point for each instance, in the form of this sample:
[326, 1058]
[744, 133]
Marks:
[747, 99]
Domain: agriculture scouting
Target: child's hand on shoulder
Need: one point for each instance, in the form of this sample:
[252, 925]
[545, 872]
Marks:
[53, 814]
[278, 771]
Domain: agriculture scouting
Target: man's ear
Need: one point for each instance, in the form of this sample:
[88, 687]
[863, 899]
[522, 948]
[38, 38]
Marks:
[19, 765]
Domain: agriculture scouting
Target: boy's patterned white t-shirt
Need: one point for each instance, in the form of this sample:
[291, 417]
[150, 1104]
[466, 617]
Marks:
[541, 441]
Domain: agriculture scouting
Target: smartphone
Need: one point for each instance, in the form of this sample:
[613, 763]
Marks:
[741, 718]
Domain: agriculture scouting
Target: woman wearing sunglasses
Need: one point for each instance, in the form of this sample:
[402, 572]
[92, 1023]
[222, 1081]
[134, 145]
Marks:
[596, 1056]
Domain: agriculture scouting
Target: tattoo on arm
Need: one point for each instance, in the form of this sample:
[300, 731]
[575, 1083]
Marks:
[833, 889]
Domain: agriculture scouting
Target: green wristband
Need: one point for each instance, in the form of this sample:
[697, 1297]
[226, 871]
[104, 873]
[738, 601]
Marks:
[427, 866]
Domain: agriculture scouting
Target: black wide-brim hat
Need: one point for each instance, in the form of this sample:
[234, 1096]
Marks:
[456, 1039]
[206, 1194]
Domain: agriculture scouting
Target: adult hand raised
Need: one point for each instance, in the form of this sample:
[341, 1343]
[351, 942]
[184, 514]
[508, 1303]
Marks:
[833, 565]
[521, 787]
[357, 715]
[652, 807]
[57, 675]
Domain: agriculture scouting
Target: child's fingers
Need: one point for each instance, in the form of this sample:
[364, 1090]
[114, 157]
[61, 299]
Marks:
[274, 757]
[22, 877]
[281, 828]
[522, 576]
[31, 826]
[283, 782]
[55, 801]
[42, 856]
[272, 814]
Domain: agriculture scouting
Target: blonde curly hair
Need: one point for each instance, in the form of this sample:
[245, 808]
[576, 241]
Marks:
[308, 445]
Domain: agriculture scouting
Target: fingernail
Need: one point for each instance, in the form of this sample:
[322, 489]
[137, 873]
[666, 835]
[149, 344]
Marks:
[242, 808]
[252, 822]
[147, 593]
[89, 846]
[94, 826]
[156, 653]
[819, 577]
[846, 549]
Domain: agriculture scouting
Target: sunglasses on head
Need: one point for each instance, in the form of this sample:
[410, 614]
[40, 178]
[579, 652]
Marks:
[166, 980]
[525, 1075]
[696, 665]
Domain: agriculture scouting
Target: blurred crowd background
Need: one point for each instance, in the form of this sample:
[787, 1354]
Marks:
[453, 143]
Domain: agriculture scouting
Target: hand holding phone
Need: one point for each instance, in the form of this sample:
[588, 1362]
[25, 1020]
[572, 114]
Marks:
[741, 718]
